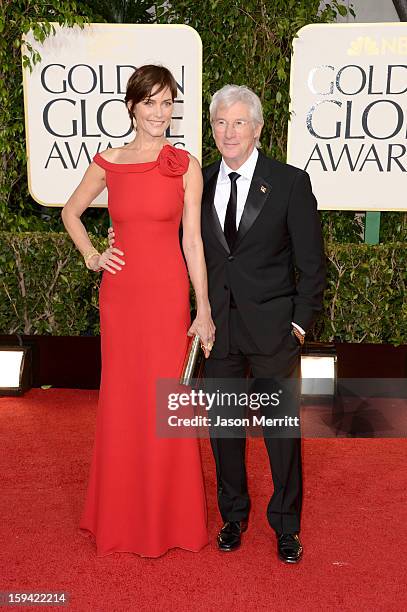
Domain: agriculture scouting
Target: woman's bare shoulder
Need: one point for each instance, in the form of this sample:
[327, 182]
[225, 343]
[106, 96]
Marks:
[193, 162]
[112, 154]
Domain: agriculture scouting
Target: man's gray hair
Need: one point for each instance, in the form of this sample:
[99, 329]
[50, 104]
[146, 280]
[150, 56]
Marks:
[230, 94]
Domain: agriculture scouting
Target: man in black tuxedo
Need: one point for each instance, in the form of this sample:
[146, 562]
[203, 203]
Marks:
[266, 276]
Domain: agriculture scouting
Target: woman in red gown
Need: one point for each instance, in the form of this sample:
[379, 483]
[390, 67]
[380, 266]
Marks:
[145, 493]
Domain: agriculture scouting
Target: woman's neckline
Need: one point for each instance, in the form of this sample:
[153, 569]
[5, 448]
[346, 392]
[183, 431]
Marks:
[135, 163]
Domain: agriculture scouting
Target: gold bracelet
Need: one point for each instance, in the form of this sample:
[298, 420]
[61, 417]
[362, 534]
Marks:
[88, 256]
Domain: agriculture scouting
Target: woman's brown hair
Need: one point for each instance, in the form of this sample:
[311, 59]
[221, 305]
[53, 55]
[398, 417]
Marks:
[147, 81]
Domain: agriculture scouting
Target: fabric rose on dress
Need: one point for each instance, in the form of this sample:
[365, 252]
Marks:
[172, 161]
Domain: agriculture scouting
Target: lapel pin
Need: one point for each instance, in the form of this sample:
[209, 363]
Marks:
[263, 189]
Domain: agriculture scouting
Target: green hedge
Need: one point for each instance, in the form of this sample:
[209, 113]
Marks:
[46, 289]
[44, 286]
[365, 299]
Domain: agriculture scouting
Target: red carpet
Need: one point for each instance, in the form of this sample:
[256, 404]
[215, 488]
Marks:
[354, 525]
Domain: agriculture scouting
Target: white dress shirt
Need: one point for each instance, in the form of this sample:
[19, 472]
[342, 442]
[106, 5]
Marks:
[223, 187]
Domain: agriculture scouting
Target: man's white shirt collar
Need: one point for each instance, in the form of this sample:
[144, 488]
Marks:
[246, 170]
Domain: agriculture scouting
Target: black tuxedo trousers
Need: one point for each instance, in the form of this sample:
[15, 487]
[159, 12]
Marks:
[284, 451]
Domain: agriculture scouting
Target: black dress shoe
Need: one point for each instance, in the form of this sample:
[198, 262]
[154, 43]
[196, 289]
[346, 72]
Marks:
[230, 535]
[289, 547]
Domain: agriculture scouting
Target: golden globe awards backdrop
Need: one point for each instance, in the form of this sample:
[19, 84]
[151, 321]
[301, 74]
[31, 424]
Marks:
[348, 126]
[74, 98]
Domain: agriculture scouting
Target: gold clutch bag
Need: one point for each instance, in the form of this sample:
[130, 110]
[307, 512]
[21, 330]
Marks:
[193, 362]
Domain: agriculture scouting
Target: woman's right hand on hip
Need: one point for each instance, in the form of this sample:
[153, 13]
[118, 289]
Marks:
[108, 261]
[111, 253]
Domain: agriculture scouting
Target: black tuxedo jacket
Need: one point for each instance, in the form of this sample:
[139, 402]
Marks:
[279, 231]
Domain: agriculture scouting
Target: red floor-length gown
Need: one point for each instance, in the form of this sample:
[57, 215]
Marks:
[145, 493]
